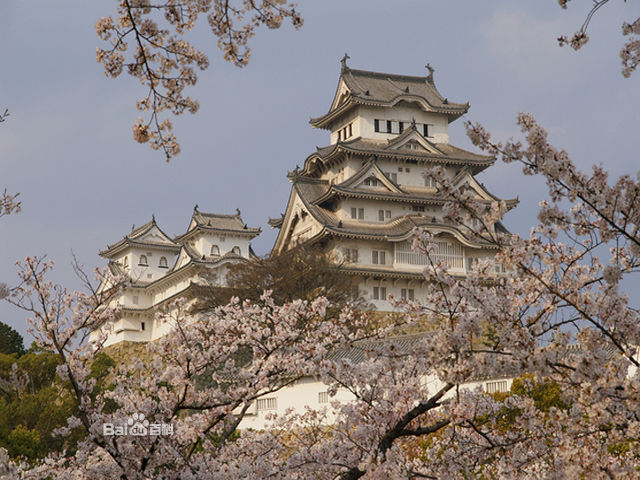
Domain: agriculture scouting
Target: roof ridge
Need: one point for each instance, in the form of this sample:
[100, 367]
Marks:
[383, 75]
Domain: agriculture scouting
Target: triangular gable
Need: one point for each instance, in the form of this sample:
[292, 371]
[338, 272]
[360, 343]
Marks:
[342, 93]
[183, 259]
[154, 235]
[369, 170]
[464, 180]
[411, 139]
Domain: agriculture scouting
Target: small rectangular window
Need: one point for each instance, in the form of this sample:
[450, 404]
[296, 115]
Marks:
[269, 403]
[376, 125]
[403, 293]
[361, 214]
[135, 299]
[376, 293]
[388, 126]
[374, 257]
[411, 294]
[350, 130]
[142, 326]
[387, 213]
[381, 215]
[354, 213]
[323, 397]
[382, 256]
[417, 208]
[383, 293]
[400, 127]
[425, 130]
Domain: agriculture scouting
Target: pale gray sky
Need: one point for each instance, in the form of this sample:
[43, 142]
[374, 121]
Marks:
[67, 146]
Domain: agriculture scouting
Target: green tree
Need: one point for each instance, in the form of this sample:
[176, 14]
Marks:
[10, 340]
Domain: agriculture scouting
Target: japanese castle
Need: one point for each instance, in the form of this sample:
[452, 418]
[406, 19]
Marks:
[362, 196]
[359, 198]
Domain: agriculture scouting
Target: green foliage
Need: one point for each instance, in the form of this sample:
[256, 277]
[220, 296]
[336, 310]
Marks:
[32, 409]
[545, 394]
[10, 340]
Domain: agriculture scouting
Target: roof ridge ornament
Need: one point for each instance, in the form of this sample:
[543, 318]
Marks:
[344, 62]
[431, 70]
[195, 207]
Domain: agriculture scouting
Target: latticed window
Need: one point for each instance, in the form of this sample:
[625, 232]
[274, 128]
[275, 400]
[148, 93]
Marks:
[498, 386]
[269, 403]
[378, 257]
[449, 253]
[323, 397]
[379, 293]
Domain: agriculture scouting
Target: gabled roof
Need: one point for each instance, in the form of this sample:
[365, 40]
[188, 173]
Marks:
[410, 137]
[396, 230]
[464, 177]
[217, 222]
[361, 87]
[148, 235]
[440, 154]
[370, 169]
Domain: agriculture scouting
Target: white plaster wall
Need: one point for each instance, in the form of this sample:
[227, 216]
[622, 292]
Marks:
[305, 393]
[363, 122]
[225, 242]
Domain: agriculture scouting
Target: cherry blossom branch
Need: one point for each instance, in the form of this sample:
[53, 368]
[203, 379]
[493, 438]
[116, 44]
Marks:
[165, 62]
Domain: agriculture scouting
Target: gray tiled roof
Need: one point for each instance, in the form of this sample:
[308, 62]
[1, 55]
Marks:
[134, 239]
[397, 228]
[446, 154]
[231, 223]
[385, 89]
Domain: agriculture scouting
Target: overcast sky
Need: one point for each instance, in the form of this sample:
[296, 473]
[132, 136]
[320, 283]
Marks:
[67, 146]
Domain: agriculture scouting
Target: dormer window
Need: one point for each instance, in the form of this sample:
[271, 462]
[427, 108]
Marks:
[370, 182]
[143, 261]
[163, 263]
[215, 250]
[236, 250]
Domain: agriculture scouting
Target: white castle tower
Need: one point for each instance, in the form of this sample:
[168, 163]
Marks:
[157, 269]
[362, 196]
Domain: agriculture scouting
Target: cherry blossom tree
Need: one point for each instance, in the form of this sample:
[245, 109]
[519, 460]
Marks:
[147, 39]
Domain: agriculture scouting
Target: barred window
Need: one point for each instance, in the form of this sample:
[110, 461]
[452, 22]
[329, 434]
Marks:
[268, 403]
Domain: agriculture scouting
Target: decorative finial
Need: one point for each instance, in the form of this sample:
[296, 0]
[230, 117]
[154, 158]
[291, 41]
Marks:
[133, 227]
[431, 70]
[344, 61]
[153, 217]
[237, 211]
[375, 159]
[195, 208]
[413, 122]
